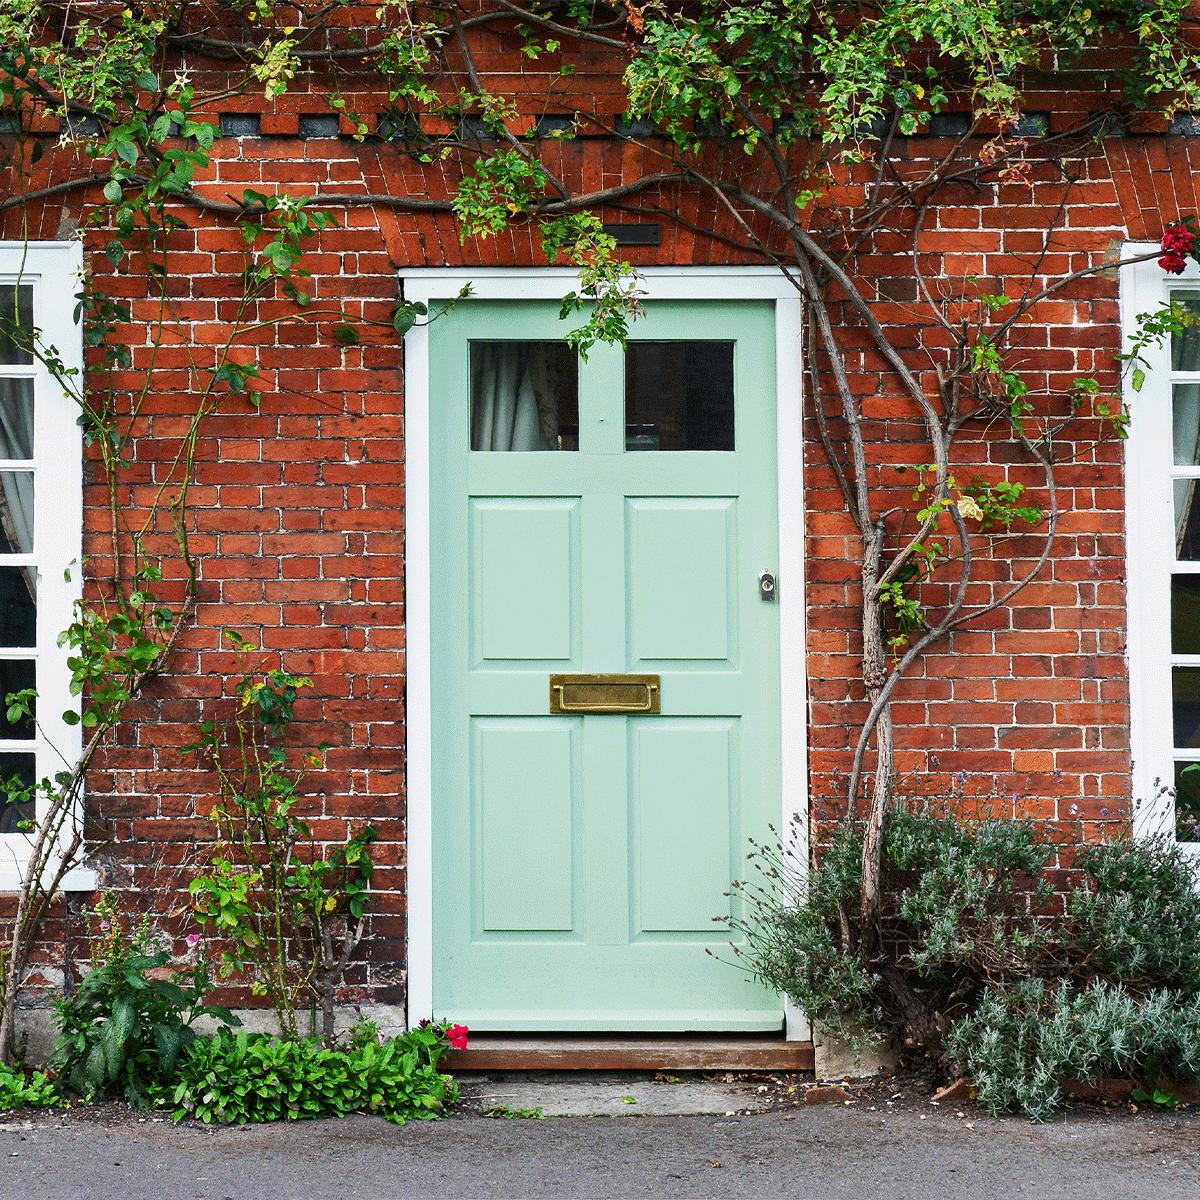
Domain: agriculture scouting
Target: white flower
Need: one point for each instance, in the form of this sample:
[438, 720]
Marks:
[969, 507]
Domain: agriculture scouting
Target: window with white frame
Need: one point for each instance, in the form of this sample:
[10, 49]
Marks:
[40, 522]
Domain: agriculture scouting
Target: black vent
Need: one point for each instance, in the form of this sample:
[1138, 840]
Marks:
[240, 125]
[82, 125]
[319, 125]
[474, 129]
[554, 127]
[397, 126]
[1032, 125]
[876, 127]
[644, 234]
[952, 124]
[634, 128]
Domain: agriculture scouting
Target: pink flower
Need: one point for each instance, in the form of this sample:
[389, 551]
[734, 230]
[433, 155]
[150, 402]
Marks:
[193, 940]
[1178, 242]
[456, 1035]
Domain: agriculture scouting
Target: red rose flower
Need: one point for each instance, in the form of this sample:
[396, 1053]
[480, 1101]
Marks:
[1178, 242]
[456, 1035]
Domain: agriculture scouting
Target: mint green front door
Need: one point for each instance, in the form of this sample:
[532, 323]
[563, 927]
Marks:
[607, 516]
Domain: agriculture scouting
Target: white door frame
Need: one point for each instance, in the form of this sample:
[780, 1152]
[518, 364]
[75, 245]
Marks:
[432, 284]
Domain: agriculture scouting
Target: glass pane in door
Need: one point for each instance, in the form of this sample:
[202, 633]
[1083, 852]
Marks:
[524, 396]
[679, 396]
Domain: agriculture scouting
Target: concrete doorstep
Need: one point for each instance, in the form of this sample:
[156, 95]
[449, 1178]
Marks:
[608, 1094]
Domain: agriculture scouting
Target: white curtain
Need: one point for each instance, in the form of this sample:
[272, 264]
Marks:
[513, 404]
[16, 487]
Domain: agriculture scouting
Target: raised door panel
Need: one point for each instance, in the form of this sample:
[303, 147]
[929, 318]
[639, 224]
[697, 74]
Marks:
[683, 821]
[681, 553]
[525, 783]
[524, 555]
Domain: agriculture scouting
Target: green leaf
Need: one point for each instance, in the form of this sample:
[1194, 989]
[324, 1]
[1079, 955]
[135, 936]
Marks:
[346, 335]
[1137, 379]
[405, 317]
[168, 1041]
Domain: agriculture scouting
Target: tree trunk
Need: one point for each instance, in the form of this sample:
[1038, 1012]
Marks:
[874, 675]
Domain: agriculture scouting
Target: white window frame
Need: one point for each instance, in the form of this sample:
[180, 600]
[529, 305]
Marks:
[52, 269]
[1150, 551]
[432, 284]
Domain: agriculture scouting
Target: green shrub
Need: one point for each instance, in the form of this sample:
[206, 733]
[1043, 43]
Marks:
[123, 1031]
[21, 1089]
[1019, 1045]
[1031, 995]
[956, 916]
[253, 1077]
[1137, 918]
[795, 947]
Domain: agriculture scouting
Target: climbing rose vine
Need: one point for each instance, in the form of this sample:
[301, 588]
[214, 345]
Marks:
[1178, 245]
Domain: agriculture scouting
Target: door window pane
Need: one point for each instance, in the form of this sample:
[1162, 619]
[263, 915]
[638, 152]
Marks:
[1187, 801]
[16, 313]
[19, 770]
[16, 418]
[679, 396]
[524, 396]
[1185, 346]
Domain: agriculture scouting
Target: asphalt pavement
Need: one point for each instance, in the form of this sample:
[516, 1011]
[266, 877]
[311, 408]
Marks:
[825, 1152]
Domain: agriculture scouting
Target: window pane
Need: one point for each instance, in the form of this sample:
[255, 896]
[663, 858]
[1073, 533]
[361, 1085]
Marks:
[16, 313]
[23, 769]
[1185, 696]
[16, 418]
[1187, 802]
[1185, 614]
[18, 609]
[679, 396]
[17, 674]
[16, 512]
[1185, 412]
[1185, 346]
[1187, 519]
[524, 396]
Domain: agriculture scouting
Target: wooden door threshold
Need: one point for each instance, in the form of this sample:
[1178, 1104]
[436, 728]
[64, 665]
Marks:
[626, 1052]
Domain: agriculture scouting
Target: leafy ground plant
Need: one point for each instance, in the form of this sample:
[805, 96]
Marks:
[243, 1078]
[124, 1030]
[289, 910]
[1019, 1045]
[26, 1089]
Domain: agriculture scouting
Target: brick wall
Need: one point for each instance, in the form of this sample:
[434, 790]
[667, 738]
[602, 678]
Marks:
[297, 512]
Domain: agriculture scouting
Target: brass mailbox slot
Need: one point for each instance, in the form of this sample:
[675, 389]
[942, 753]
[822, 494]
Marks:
[605, 694]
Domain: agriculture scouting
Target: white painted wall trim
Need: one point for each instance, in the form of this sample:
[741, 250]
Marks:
[52, 268]
[1150, 548]
[431, 284]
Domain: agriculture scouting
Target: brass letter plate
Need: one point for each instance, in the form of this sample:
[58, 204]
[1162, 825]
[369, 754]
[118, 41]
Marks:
[605, 693]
